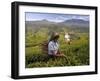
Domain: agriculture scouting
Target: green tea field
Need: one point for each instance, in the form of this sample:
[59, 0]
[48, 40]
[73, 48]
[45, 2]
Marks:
[76, 53]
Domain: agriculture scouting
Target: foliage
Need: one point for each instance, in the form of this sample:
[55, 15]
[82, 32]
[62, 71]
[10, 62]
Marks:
[77, 53]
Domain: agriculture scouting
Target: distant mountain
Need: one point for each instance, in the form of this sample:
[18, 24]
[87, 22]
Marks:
[39, 23]
[76, 23]
[72, 24]
[36, 25]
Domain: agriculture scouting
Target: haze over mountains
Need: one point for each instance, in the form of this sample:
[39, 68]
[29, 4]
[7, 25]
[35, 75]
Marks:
[71, 23]
[76, 22]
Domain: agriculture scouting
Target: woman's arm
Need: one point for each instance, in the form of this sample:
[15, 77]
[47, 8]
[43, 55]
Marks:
[57, 53]
[54, 52]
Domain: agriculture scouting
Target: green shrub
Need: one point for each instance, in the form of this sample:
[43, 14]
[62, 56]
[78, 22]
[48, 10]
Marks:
[77, 53]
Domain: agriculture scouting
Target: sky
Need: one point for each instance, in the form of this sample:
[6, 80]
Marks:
[53, 17]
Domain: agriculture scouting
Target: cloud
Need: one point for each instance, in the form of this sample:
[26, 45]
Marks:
[54, 17]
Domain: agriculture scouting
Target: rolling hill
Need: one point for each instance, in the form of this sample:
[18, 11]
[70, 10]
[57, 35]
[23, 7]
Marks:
[72, 24]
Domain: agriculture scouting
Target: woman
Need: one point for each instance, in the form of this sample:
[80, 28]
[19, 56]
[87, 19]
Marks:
[53, 46]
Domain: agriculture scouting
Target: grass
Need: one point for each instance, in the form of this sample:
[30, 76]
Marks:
[77, 53]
